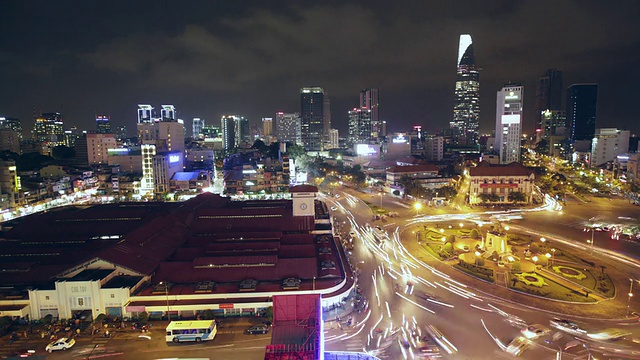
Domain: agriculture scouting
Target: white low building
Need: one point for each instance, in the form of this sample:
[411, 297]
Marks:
[500, 181]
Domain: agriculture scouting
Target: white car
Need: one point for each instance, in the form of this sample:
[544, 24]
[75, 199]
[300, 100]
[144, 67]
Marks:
[567, 326]
[535, 331]
[60, 344]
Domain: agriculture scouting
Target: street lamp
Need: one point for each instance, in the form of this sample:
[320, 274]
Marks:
[559, 353]
[630, 295]
[543, 240]
[442, 231]
[166, 294]
[461, 225]
[588, 350]
[553, 253]
[417, 206]
[548, 256]
[506, 228]
[591, 242]
[477, 255]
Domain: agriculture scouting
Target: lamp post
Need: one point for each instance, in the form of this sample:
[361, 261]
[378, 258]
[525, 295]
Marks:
[559, 353]
[588, 350]
[548, 256]
[630, 296]
[417, 206]
[166, 294]
[553, 254]
[380, 199]
[314, 283]
[592, 232]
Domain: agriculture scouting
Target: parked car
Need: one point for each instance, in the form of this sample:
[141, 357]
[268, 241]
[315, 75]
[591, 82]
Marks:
[60, 344]
[258, 329]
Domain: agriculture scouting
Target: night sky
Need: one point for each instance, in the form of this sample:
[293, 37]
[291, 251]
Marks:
[210, 58]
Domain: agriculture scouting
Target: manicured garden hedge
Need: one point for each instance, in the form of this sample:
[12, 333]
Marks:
[477, 271]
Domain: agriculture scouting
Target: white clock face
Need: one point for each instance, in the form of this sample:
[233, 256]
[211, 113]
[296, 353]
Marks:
[303, 206]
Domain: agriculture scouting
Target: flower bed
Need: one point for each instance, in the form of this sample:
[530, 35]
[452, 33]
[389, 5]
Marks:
[551, 290]
[477, 271]
[531, 279]
[569, 272]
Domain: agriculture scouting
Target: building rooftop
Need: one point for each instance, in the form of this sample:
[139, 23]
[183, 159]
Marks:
[413, 168]
[513, 169]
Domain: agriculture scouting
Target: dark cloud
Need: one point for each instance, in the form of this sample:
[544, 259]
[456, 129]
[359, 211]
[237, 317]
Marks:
[210, 58]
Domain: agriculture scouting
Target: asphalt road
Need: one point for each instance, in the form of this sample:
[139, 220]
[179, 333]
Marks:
[458, 312]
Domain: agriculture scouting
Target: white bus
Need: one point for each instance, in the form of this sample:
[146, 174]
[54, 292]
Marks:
[195, 330]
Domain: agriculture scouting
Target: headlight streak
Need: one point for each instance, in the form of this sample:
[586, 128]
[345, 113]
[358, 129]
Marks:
[497, 341]
[415, 303]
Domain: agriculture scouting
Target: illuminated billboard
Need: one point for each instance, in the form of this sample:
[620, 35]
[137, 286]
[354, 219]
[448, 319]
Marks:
[511, 119]
[174, 159]
[367, 150]
[400, 138]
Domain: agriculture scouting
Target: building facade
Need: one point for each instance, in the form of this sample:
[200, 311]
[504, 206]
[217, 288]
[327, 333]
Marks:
[267, 126]
[334, 139]
[493, 183]
[370, 100]
[48, 132]
[196, 127]
[466, 108]
[607, 144]
[509, 122]
[312, 118]
[433, 148]
[98, 146]
[548, 96]
[103, 124]
[165, 135]
[289, 127]
[582, 106]
[361, 127]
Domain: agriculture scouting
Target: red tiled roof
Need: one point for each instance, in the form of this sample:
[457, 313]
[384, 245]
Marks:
[303, 188]
[512, 169]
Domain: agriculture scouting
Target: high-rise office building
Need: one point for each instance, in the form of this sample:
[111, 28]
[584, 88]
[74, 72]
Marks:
[11, 123]
[312, 118]
[334, 139]
[267, 126]
[509, 122]
[145, 113]
[289, 127]
[168, 113]
[548, 96]
[370, 100]
[466, 107]
[235, 130]
[582, 105]
[49, 132]
[121, 133]
[433, 148]
[196, 127]
[103, 124]
[554, 122]
[326, 113]
[360, 129]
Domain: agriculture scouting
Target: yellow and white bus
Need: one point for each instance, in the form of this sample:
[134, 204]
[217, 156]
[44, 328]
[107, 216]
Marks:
[195, 330]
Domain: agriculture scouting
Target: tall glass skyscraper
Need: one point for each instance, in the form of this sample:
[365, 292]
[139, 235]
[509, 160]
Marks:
[509, 122]
[548, 96]
[312, 118]
[466, 106]
[582, 104]
[370, 100]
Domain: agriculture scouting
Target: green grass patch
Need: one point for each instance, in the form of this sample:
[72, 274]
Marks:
[551, 290]
[476, 271]
[598, 282]
[436, 250]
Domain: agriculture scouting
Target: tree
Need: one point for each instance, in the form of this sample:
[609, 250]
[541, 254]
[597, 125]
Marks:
[448, 248]
[479, 261]
[516, 267]
[100, 318]
[406, 182]
[143, 317]
[62, 152]
[268, 314]
[451, 238]
[475, 233]
[295, 151]
[517, 196]
[208, 314]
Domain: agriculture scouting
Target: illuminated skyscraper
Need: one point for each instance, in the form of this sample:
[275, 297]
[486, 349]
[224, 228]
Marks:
[267, 126]
[548, 96]
[103, 124]
[289, 128]
[466, 107]
[312, 118]
[360, 130]
[369, 100]
[196, 127]
[509, 122]
[235, 130]
[582, 105]
[49, 131]
[168, 113]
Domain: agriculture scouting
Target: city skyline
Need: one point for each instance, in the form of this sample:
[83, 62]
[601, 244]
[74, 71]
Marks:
[209, 58]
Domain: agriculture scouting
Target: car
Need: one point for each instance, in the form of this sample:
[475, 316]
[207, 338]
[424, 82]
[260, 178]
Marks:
[334, 208]
[258, 329]
[517, 346]
[60, 344]
[426, 346]
[23, 353]
[567, 326]
[535, 331]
